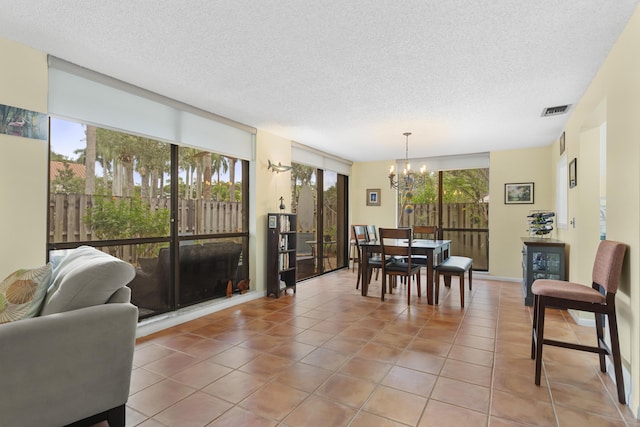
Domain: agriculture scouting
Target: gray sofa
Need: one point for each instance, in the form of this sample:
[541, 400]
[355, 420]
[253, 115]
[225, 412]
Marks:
[72, 363]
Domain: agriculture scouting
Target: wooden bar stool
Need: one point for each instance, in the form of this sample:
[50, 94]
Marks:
[567, 295]
[453, 266]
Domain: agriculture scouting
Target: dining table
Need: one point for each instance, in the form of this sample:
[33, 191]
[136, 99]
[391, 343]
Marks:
[436, 251]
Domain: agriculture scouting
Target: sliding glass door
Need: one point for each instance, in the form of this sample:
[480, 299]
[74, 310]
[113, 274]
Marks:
[319, 200]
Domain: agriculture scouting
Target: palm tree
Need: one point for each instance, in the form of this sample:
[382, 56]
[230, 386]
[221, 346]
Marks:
[90, 160]
[219, 163]
[232, 179]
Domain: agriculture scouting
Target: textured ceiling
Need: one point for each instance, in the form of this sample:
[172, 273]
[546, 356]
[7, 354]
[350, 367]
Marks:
[346, 77]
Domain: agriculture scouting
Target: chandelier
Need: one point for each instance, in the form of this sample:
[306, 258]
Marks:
[407, 180]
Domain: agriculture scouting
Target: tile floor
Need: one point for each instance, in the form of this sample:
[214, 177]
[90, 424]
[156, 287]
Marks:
[330, 357]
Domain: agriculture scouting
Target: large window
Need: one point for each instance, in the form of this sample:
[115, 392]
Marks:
[178, 214]
[457, 201]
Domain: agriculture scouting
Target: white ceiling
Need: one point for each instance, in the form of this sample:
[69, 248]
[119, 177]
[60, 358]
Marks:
[346, 77]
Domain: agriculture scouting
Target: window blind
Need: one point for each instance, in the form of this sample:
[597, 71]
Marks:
[84, 95]
[311, 157]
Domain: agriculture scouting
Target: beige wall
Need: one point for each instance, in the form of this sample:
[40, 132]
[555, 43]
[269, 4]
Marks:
[614, 97]
[508, 223]
[371, 175]
[23, 162]
[269, 186]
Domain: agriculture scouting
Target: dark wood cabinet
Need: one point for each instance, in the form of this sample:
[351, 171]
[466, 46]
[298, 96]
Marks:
[541, 259]
[281, 253]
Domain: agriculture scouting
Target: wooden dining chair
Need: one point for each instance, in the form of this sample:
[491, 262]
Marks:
[374, 263]
[425, 232]
[396, 258]
[599, 299]
[353, 249]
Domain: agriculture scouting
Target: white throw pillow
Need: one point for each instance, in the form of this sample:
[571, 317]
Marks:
[85, 277]
[22, 293]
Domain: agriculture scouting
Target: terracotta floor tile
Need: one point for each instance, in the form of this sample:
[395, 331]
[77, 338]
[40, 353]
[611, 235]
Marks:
[171, 364]
[501, 422]
[345, 345]
[366, 369]
[141, 379]
[313, 337]
[522, 410]
[150, 423]
[195, 410]
[431, 346]
[234, 357]
[468, 372]
[292, 350]
[396, 404]
[359, 332]
[237, 416]
[327, 356]
[266, 366]
[206, 348]
[423, 362]
[150, 353]
[463, 394]
[480, 343]
[347, 390]
[261, 342]
[472, 355]
[577, 417]
[365, 419]
[327, 359]
[132, 417]
[392, 339]
[595, 399]
[234, 387]
[303, 376]
[410, 380]
[201, 374]
[379, 352]
[521, 384]
[445, 415]
[273, 401]
[179, 342]
[320, 412]
[158, 397]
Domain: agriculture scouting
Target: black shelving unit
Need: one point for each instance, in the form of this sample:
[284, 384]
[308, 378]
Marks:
[281, 253]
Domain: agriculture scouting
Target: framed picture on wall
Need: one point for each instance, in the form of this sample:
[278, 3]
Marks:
[518, 193]
[373, 197]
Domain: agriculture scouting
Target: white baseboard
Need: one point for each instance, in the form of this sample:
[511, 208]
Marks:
[582, 321]
[174, 318]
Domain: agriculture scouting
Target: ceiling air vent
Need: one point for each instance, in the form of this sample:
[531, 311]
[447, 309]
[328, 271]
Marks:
[554, 111]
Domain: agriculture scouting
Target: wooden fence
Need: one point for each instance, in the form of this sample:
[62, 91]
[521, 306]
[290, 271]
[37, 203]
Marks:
[67, 214]
[465, 224]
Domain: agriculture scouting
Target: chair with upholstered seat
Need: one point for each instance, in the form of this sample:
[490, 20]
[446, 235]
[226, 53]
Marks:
[373, 262]
[453, 266]
[599, 299]
[396, 258]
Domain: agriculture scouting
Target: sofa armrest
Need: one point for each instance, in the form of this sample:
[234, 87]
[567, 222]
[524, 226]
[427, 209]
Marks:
[63, 367]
